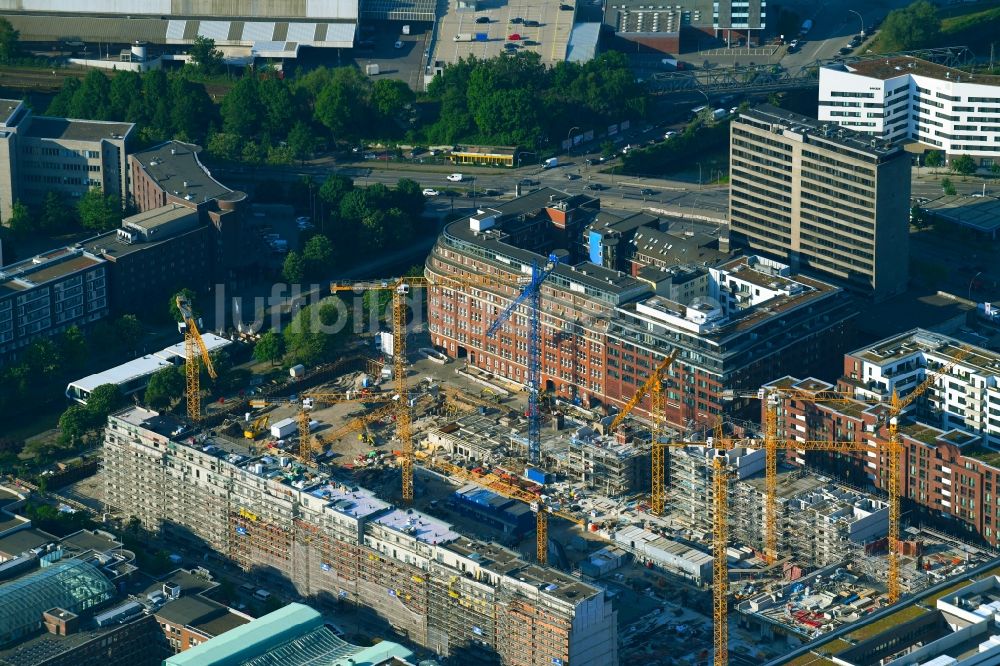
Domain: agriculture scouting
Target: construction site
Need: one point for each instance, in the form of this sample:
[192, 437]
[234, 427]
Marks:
[489, 519]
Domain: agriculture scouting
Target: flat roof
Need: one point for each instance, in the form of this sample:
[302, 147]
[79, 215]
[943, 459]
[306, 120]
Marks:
[70, 129]
[820, 132]
[921, 341]
[45, 267]
[890, 68]
[356, 503]
[145, 365]
[505, 151]
[978, 212]
[15, 543]
[174, 163]
[157, 217]
[420, 526]
[7, 108]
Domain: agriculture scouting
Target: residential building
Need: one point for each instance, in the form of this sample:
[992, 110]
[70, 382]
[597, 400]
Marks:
[171, 174]
[610, 465]
[948, 473]
[821, 197]
[300, 530]
[909, 98]
[261, 29]
[153, 255]
[603, 331]
[39, 155]
[45, 295]
[690, 26]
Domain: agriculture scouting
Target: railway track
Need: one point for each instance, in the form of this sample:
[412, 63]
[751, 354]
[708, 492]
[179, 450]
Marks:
[34, 79]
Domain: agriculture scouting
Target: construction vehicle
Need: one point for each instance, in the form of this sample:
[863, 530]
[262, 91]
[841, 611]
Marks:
[194, 346]
[257, 426]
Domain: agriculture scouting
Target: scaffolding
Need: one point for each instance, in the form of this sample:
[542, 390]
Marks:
[258, 543]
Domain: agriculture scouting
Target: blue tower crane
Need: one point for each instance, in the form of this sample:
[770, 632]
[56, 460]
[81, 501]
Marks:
[532, 292]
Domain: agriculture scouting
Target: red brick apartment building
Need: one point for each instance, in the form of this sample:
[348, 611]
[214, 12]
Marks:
[951, 461]
[603, 330]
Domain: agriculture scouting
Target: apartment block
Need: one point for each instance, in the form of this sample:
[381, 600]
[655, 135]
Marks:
[691, 481]
[910, 98]
[821, 197]
[311, 534]
[948, 473]
[39, 155]
[45, 295]
[604, 331]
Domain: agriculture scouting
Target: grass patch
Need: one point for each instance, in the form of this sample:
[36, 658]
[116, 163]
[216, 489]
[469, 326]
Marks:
[46, 419]
[897, 618]
[975, 29]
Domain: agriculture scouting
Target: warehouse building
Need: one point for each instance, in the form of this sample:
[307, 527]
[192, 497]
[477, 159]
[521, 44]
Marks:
[297, 528]
[604, 331]
[693, 25]
[242, 29]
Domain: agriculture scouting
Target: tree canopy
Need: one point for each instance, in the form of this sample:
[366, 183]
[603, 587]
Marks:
[206, 56]
[316, 332]
[98, 211]
[915, 26]
[269, 348]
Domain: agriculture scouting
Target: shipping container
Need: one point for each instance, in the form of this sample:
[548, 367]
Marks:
[537, 476]
[283, 428]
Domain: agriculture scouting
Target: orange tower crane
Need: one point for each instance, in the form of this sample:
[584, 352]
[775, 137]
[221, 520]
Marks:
[194, 347]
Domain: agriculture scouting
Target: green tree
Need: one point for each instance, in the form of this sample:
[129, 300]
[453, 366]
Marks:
[241, 109]
[74, 423]
[315, 333]
[103, 400]
[59, 106]
[22, 222]
[93, 99]
[128, 330]
[342, 104]
[334, 188]
[42, 358]
[225, 146]
[934, 159]
[995, 168]
[9, 46]
[98, 211]
[277, 108]
[389, 97]
[280, 155]
[301, 141]
[948, 187]
[189, 296]
[157, 122]
[963, 165]
[125, 96]
[191, 110]
[206, 56]
[73, 347]
[253, 152]
[294, 269]
[317, 254]
[913, 27]
[57, 216]
[269, 348]
[408, 196]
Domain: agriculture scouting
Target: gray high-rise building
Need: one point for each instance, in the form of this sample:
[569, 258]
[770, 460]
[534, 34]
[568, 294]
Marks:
[821, 197]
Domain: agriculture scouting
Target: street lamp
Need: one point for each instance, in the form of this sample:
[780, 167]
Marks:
[970, 284]
[570, 132]
[861, 18]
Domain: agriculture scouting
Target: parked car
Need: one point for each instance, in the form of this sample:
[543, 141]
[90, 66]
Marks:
[517, 19]
[566, 8]
[398, 44]
[483, 19]
[526, 182]
[596, 187]
[430, 192]
[844, 50]
[572, 176]
[455, 177]
[531, 24]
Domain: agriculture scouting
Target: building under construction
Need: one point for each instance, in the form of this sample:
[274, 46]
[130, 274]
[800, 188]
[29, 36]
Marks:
[611, 465]
[321, 539]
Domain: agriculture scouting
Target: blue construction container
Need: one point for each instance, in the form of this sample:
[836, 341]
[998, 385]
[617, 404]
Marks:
[537, 476]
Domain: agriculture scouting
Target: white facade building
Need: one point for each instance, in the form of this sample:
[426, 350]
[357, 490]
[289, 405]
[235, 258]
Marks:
[907, 98]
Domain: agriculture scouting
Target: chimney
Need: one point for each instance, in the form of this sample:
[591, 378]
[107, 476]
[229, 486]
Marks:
[724, 244]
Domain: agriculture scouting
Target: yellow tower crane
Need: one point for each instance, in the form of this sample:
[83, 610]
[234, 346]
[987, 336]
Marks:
[653, 387]
[400, 289]
[193, 347]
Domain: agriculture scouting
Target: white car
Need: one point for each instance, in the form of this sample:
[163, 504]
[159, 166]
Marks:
[430, 192]
[455, 177]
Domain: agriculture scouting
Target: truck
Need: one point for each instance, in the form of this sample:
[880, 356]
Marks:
[696, 111]
[463, 37]
[806, 27]
[551, 162]
[719, 114]
[283, 428]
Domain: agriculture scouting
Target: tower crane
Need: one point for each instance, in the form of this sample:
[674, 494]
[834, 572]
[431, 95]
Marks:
[400, 289]
[653, 387]
[531, 292]
[194, 347]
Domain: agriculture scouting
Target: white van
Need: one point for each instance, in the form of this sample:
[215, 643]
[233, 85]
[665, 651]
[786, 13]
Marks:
[455, 177]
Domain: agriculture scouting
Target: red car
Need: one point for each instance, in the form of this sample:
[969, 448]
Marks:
[514, 37]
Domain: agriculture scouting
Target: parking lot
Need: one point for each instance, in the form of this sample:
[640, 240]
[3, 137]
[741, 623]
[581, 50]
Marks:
[542, 26]
[377, 45]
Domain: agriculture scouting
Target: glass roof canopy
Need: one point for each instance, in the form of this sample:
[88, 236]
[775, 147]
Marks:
[73, 585]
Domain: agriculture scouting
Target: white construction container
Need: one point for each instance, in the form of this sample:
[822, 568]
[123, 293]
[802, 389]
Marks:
[284, 428]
